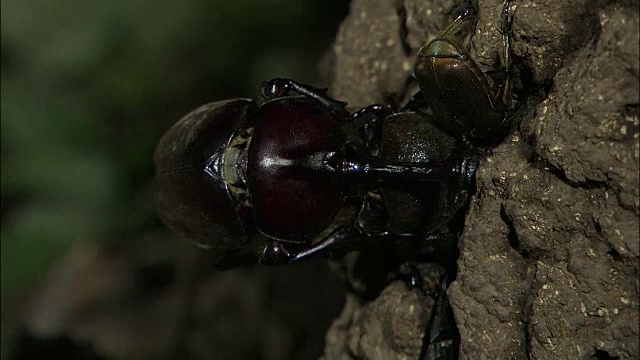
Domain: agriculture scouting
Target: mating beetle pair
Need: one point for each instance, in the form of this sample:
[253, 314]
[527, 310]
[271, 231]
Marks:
[236, 172]
[285, 178]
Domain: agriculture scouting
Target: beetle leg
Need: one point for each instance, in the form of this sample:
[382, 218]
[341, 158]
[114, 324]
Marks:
[371, 130]
[453, 28]
[274, 253]
[279, 87]
[441, 339]
[277, 252]
[341, 239]
[504, 91]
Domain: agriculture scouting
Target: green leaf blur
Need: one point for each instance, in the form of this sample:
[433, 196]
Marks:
[88, 88]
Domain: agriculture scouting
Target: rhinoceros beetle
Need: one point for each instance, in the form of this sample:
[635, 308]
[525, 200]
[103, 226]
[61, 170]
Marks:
[276, 172]
[236, 172]
[294, 174]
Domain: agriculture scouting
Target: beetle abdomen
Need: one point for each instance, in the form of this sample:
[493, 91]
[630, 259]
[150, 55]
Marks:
[295, 194]
[191, 199]
[458, 92]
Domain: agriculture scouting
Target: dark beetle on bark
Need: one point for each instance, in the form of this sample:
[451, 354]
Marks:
[267, 181]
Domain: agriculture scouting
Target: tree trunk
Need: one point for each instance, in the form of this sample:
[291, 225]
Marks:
[549, 256]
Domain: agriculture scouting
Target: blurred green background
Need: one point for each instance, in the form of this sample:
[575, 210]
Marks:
[88, 88]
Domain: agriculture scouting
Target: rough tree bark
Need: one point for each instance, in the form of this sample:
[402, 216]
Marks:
[550, 251]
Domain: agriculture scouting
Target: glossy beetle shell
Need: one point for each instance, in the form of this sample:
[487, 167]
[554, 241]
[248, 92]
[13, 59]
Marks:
[458, 92]
[192, 196]
[293, 200]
